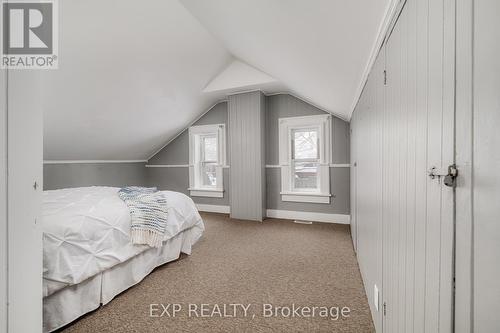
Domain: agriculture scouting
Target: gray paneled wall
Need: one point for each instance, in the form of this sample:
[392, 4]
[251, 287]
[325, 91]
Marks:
[177, 179]
[276, 106]
[57, 176]
[177, 153]
[282, 106]
[339, 187]
[247, 155]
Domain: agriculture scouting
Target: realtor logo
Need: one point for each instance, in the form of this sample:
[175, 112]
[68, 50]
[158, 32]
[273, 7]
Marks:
[29, 34]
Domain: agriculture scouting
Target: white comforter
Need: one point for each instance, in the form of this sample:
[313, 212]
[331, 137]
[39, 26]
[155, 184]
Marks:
[87, 230]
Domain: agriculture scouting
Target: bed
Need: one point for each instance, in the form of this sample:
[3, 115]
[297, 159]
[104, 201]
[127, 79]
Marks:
[88, 255]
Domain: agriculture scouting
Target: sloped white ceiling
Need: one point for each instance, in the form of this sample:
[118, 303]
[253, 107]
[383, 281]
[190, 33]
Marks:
[239, 75]
[132, 73]
[318, 48]
[131, 76]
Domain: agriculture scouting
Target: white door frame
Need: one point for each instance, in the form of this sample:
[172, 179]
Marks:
[463, 156]
[3, 201]
[24, 189]
[354, 215]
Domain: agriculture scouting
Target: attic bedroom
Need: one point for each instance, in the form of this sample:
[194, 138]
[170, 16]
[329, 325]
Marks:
[249, 166]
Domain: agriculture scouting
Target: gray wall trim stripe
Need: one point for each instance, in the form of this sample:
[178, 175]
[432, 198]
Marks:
[91, 161]
[345, 165]
[175, 166]
[167, 165]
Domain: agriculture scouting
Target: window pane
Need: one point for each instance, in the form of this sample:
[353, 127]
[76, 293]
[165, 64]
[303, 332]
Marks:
[208, 174]
[305, 175]
[209, 146]
[305, 144]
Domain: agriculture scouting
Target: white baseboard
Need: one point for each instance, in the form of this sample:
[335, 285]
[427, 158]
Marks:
[309, 216]
[285, 214]
[213, 208]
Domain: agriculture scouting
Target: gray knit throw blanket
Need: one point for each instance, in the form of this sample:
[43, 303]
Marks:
[148, 211]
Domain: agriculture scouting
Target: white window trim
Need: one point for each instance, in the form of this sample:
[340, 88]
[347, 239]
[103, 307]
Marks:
[207, 191]
[286, 125]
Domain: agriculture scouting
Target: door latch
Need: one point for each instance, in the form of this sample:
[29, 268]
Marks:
[450, 174]
[451, 177]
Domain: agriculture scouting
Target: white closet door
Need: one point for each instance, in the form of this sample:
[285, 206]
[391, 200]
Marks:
[25, 162]
[419, 136]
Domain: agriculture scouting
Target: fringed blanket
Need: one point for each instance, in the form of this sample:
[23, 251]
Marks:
[148, 211]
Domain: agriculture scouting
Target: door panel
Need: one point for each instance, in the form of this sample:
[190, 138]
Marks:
[367, 144]
[401, 129]
[25, 158]
[418, 209]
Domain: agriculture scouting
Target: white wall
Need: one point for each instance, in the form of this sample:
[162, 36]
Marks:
[486, 164]
[477, 296]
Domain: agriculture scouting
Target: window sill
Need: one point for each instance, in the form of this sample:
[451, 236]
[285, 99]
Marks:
[306, 197]
[206, 192]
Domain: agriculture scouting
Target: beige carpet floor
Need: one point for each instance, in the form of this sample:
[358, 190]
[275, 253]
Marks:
[276, 262]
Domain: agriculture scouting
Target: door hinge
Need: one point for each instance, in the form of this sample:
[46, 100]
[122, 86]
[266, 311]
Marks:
[385, 308]
[385, 77]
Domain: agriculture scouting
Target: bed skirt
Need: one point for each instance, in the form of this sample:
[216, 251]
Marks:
[70, 303]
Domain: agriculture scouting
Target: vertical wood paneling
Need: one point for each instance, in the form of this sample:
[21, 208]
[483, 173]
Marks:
[422, 8]
[411, 100]
[246, 135]
[464, 154]
[3, 201]
[446, 288]
[434, 155]
[25, 161]
[413, 132]
[366, 143]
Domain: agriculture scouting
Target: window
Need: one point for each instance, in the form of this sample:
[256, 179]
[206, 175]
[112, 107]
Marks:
[206, 159]
[305, 158]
